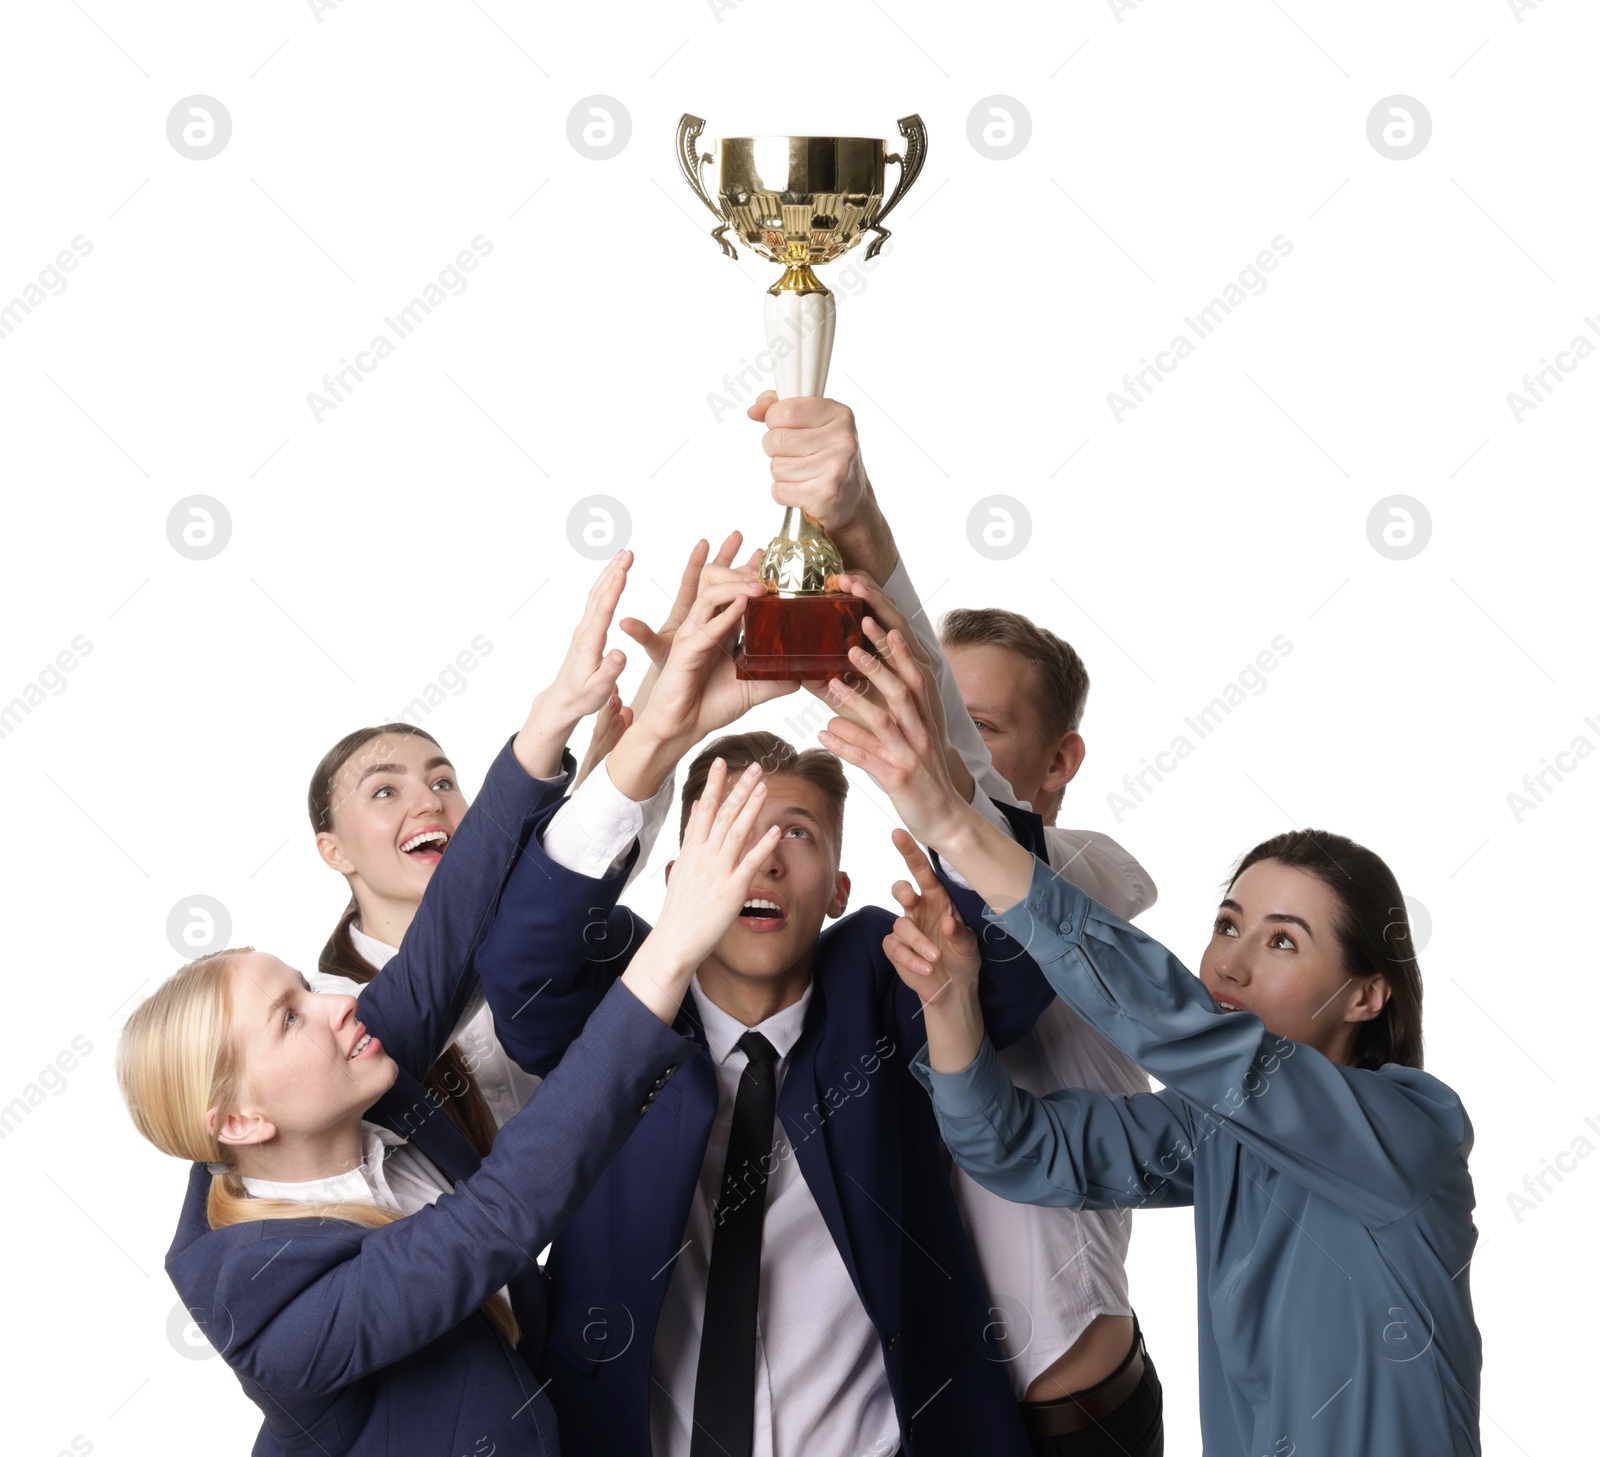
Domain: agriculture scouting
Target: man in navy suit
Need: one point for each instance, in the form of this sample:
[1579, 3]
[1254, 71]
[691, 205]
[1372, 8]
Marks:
[774, 1264]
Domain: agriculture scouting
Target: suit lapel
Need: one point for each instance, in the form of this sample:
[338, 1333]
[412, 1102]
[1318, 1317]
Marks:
[819, 1143]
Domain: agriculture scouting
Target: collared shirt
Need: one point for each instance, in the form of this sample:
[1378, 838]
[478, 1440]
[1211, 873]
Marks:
[391, 1174]
[1050, 1271]
[506, 1087]
[821, 1385]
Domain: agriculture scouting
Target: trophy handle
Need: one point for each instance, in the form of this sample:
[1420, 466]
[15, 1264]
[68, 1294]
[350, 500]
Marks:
[690, 161]
[916, 136]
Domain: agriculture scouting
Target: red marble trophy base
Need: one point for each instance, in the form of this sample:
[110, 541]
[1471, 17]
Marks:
[801, 638]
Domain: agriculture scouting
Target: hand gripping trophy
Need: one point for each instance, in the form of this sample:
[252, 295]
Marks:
[800, 201]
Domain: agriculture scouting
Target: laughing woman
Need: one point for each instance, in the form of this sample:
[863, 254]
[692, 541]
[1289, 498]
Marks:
[384, 804]
[1327, 1171]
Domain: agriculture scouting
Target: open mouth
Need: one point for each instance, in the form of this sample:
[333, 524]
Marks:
[366, 1046]
[762, 913]
[425, 845]
[1228, 1006]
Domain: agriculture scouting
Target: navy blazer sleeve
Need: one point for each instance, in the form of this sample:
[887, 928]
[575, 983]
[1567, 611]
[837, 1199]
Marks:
[416, 1001]
[1012, 990]
[558, 943]
[303, 1310]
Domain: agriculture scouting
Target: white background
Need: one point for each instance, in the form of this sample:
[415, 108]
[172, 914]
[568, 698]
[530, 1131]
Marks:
[1170, 144]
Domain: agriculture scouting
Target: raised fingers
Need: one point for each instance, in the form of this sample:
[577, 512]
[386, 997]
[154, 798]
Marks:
[741, 804]
[917, 863]
[704, 809]
[590, 633]
[858, 706]
[904, 959]
[689, 583]
[715, 599]
[905, 672]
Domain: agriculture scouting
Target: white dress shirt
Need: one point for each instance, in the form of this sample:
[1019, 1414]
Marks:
[1050, 1271]
[821, 1385]
[505, 1086]
[392, 1174]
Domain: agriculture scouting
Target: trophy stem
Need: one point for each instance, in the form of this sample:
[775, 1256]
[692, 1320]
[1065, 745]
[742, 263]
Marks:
[800, 337]
[799, 315]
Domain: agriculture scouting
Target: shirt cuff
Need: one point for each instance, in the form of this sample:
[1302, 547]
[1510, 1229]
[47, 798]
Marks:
[968, 1093]
[1049, 920]
[656, 809]
[593, 831]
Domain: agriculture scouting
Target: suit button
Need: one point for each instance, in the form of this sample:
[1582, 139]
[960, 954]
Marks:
[644, 1107]
[1066, 928]
[893, 1340]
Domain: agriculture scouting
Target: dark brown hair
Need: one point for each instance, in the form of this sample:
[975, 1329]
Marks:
[1374, 932]
[1060, 681]
[450, 1079]
[776, 756]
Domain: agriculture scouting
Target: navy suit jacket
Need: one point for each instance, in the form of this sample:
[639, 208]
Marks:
[364, 1341]
[862, 1129]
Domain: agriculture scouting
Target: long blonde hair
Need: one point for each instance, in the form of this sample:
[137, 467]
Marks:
[178, 1059]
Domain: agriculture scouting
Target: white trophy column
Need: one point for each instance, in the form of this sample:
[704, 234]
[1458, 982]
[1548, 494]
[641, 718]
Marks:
[800, 338]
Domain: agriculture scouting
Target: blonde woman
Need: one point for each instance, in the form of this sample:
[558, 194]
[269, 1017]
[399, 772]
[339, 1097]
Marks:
[365, 1305]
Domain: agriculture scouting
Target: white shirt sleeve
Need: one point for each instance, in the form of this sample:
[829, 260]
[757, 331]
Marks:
[1101, 868]
[593, 831]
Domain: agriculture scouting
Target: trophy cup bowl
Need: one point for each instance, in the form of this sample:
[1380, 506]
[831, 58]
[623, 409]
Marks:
[800, 201]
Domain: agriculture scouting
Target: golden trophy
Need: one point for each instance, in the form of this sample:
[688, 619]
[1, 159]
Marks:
[800, 201]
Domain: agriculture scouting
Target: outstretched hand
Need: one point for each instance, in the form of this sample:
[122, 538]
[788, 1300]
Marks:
[699, 691]
[890, 619]
[586, 681]
[718, 858]
[658, 642]
[931, 947]
[891, 733]
[588, 674]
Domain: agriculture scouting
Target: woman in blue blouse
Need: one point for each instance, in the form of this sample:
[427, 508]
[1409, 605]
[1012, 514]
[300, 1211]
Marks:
[1327, 1171]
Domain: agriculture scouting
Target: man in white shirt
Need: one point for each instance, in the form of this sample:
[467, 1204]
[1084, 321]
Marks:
[1013, 696]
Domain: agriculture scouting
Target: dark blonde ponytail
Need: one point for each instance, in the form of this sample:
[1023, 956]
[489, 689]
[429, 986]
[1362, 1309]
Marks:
[176, 1060]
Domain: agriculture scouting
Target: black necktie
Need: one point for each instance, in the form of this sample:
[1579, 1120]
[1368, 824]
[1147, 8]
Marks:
[725, 1380]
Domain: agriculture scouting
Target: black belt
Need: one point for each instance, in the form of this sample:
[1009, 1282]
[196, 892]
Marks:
[1089, 1407]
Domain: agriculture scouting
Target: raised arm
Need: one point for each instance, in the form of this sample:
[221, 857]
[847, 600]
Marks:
[557, 945]
[1376, 1143]
[1075, 1149]
[560, 939]
[417, 1000]
[409, 1282]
